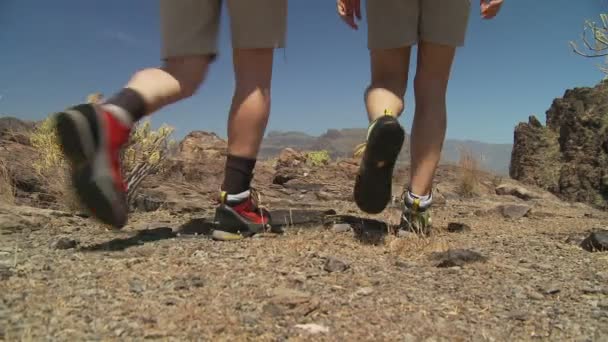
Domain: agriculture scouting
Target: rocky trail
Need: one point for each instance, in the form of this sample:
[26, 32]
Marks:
[486, 274]
[513, 262]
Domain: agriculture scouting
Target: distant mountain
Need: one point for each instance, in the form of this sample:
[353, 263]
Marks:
[342, 142]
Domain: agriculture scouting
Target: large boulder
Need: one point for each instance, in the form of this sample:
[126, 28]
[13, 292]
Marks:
[568, 156]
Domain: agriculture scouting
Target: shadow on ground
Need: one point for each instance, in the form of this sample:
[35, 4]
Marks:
[367, 231]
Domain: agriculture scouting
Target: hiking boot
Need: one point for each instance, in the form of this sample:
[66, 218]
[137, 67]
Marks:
[90, 139]
[240, 216]
[416, 216]
[373, 185]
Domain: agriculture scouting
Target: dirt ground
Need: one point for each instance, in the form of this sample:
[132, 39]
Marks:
[66, 278]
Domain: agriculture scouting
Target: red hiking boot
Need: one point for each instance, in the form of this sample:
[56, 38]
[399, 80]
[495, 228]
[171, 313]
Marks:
[91, 140]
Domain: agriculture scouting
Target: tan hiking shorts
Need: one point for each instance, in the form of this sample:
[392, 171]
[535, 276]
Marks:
[399, 23]
[191, 27]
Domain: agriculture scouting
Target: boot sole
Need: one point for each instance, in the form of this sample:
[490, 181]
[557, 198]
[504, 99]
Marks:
[231, 226]
[373, 185]
[91, 174]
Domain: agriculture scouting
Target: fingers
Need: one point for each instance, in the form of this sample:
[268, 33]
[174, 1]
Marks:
[341, 8]
[357, 7]
[347, 12]
[490, 9]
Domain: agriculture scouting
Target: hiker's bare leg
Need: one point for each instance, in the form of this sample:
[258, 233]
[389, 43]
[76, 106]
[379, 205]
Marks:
[389, 72]
[428, 130]
[177, 79]
[251, 101]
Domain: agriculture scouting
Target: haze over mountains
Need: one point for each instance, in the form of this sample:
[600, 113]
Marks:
[342, 142]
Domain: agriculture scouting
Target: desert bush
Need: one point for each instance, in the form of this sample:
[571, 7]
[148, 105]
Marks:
[144, 154]
[51, 166]
[469, 174]
[317, 158]
[7, 189]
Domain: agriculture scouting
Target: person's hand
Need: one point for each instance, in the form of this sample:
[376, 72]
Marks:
[489, 9]
[349, 11]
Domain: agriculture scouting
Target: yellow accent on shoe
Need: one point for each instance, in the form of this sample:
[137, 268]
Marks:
[225, 236]
[223, 197]
[416, 204]
[359, 150]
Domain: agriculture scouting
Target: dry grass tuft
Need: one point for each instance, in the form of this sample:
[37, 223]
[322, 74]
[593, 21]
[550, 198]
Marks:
[7, 189]
[469, 185]
[51, 165]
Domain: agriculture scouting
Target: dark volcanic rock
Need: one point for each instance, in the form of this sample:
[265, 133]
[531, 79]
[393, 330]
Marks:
[457, 227]
[457, 257]
[568, 156]
[596, 241]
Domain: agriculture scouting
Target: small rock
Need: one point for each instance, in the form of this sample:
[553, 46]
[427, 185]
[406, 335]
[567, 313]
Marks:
[405, 234]
[457, 227]
[136, 286]
[535, 295]
[5, 272]
[517, 191]
[313, 328]
[364, 291]
[514, 211]
[519, 315]
[290, 301]
[250, 319]
[64, 243]
[551, 289]
[481, 212]
[341, 227]
[457, 257]
[335, 265]
[170, 301]
[323, 196]
[596, 241]
[403, 264]
[543, 267]
[592, 290]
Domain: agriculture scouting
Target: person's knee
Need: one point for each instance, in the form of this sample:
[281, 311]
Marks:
[429, 86]
[253, 67]
[189, 72]
[253, 75]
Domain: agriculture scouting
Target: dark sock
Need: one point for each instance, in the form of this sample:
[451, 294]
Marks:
[130, 101]
[238, 174]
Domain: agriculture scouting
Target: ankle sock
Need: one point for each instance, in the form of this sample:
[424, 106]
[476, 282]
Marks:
[127, 106]
[238, 175]
[425, 201]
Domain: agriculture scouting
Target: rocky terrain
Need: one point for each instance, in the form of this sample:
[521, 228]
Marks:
[568, 156]
[514, 262]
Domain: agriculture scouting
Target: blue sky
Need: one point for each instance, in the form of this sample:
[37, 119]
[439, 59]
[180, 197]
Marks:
[53, 53]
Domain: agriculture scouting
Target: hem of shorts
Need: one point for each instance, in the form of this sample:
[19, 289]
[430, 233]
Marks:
[442, 42]
[259, 46]
[211, 55]
[406, 43]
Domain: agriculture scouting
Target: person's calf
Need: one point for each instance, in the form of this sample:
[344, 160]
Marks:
[251, 101]
[428, 133]
[389, 73]
[384, 97]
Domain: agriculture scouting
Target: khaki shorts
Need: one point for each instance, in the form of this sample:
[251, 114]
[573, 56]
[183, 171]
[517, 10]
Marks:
[399, 23]
[191, 27]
